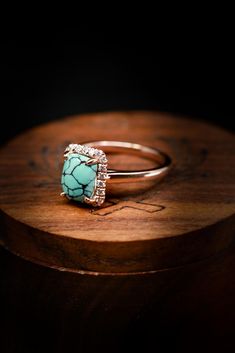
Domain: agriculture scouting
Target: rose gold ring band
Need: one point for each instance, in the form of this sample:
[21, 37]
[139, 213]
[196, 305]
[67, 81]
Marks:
[162, 160]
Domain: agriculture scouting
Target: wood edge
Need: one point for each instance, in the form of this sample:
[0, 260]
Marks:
[121, 274]
[60, 252]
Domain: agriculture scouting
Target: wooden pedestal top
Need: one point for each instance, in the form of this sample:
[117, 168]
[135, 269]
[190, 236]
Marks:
[187, 217]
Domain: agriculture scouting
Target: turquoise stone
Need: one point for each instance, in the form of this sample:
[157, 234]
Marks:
[78, 179]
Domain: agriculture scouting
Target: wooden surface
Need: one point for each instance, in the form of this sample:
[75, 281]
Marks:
[188, 217]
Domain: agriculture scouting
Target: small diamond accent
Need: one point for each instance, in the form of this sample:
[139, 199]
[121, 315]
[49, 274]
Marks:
[91, 151]
[71, 148]
[85, 149]
[102, 176]
[98, 153]
[102, 167]
[100, 191]
[99, 200]
[103, 159]
[100, 183]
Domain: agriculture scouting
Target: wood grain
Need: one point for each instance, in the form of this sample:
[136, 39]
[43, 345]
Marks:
[187, 217]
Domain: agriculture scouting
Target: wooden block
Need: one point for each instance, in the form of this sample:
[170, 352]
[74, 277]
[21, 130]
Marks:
[186, 218]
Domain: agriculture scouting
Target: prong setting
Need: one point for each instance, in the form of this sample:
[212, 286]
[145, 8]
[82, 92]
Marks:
[92, 161]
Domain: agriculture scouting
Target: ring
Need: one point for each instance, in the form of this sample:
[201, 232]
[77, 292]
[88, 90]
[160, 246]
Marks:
[85, 171]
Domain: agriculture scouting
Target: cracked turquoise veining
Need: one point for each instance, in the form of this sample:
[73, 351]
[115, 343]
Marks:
[78, 179]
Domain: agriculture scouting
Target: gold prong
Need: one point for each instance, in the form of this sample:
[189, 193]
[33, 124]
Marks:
[93, 201]
[91, 161]
[88, 199]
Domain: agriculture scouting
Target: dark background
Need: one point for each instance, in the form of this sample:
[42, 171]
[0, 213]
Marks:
[45, 76]
[49, 75]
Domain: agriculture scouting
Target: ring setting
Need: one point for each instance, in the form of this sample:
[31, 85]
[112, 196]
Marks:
[84, 174]
[85, 171]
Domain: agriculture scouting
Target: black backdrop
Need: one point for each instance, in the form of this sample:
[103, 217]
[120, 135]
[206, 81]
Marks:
[44, 77]
[50, 75]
